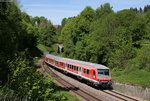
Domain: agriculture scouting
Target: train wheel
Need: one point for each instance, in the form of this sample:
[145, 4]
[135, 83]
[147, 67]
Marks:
[79, 77]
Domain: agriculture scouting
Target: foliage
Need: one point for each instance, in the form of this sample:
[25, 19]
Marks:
[43, 48]
[109, 38]
[19, 36]
[26, 81]
[69, 96]
[46, 31]
[13, 36]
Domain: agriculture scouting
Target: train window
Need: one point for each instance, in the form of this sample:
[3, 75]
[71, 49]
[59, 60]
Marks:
[61, 63]
[77, 68]
[93, 72]
[87, 71]
[80, 69]
[70, 66]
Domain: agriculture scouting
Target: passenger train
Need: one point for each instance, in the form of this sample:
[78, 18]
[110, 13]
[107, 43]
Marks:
[95, 74]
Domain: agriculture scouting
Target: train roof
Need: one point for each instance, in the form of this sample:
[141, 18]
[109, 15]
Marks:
[94, 65]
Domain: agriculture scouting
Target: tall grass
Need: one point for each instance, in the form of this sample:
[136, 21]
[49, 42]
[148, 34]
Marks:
[132, 76]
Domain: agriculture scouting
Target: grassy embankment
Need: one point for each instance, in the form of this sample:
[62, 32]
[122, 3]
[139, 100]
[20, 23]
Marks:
[132, 76]
[137, 71]
[69, 96]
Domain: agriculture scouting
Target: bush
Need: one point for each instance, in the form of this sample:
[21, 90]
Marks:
[29, 83]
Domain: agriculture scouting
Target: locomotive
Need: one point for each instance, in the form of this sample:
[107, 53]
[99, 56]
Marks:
[95, 74]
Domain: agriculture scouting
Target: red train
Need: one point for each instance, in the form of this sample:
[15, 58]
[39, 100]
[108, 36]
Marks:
[95, 74]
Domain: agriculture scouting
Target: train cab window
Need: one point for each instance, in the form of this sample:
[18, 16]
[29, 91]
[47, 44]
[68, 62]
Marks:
[103, 72]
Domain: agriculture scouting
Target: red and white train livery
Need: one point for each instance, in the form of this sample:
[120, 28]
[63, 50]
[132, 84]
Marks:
[96, 74]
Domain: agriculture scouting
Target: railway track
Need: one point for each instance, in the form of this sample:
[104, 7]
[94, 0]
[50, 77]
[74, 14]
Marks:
[111, 92]
[68, 86]
[120, 96]
[87, 94]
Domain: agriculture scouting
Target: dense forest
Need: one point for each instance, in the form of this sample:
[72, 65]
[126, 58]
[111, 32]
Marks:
[116, 39]
[19, 36]
[119, 40]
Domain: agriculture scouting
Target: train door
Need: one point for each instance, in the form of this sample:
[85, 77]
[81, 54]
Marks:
[93, 74]
[66, 66]
[79, 70]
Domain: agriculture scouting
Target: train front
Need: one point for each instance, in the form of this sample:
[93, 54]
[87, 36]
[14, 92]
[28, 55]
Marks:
[104, 77]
